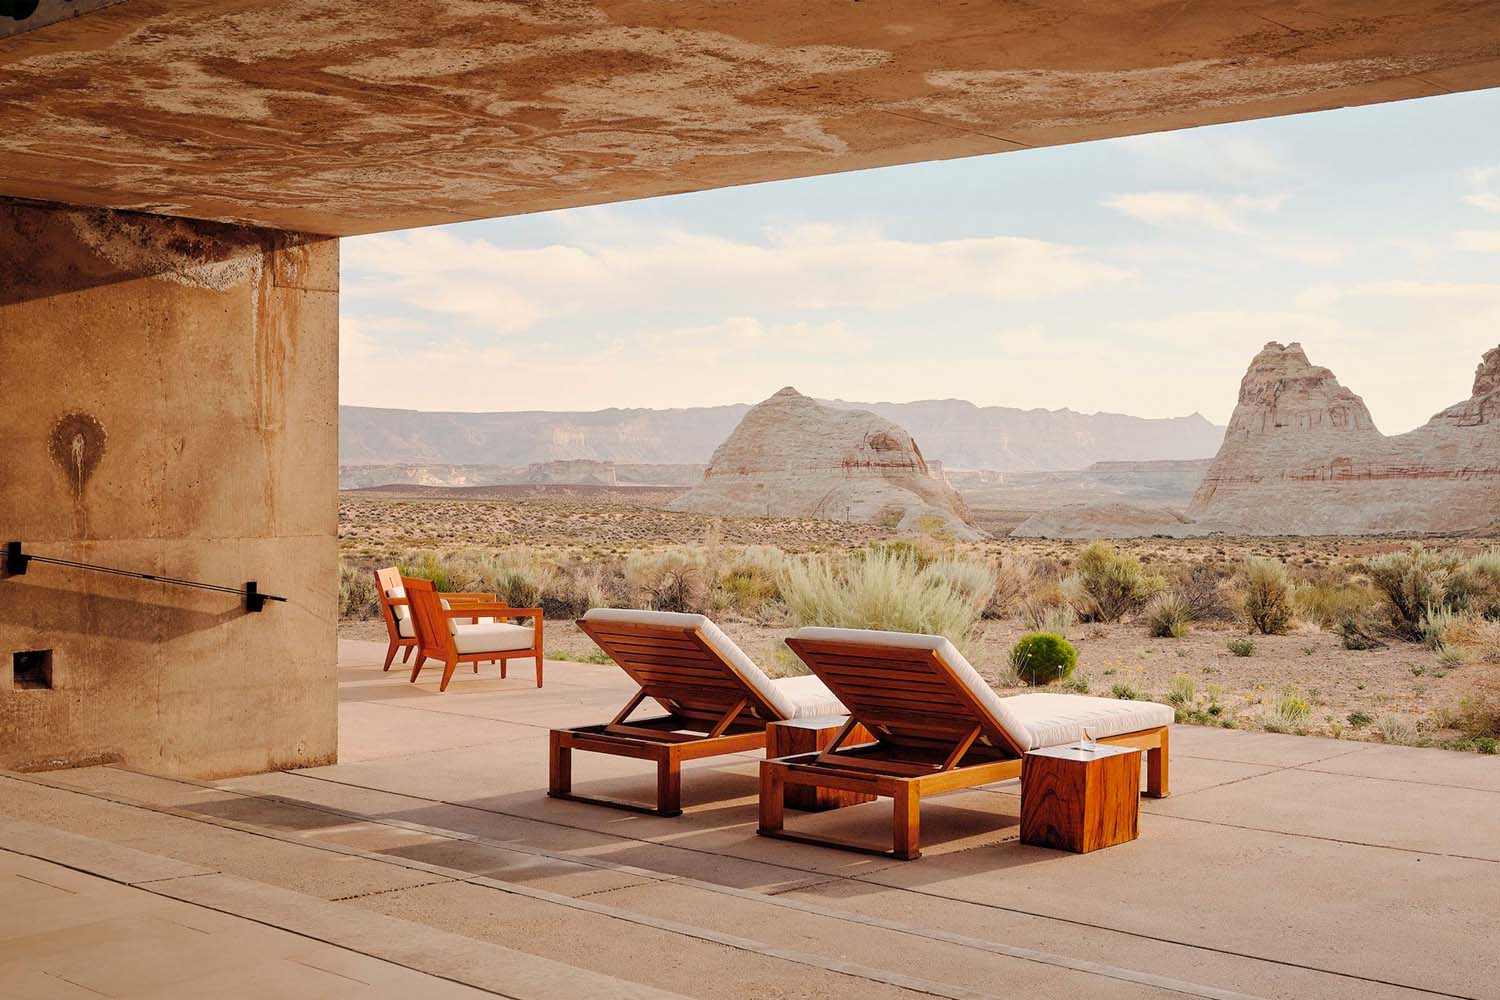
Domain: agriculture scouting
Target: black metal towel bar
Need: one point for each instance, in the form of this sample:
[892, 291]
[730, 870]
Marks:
[17, 561]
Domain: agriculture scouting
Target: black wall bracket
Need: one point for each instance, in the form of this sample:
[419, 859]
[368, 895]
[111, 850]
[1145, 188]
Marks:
[18, 561]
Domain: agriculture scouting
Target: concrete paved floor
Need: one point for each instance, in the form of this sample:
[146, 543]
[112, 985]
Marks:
[1281, 866]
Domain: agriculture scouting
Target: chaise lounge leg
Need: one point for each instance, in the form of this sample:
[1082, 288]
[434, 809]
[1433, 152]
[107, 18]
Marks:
[539, 666]
[668, 783]
[1156, 770]
[406, 653]
[772, 799]
[906, 840]
[448, 669]
[390, 654]
[559, 766]
[416, 668]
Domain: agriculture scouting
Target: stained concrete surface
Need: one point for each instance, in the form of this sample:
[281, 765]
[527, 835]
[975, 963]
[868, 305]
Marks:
[349, 116]
[1281, 866]
[170, 408]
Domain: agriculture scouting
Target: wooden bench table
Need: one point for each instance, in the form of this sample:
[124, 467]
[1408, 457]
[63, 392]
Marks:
[1080, 800]
[800, 736]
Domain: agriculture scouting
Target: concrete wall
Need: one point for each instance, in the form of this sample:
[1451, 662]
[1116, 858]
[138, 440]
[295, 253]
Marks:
[168, 404]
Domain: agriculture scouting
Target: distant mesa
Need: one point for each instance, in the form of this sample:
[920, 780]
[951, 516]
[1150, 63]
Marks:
[793, 457]
[954, 431]
[1303, 456]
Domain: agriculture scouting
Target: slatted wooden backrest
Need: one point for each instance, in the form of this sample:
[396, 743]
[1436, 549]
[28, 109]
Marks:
[678, 668]
[387, 579]
[434, 638]
[904, 696]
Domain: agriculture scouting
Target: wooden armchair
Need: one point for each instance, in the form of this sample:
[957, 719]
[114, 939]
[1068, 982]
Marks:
[395, 610]
[441, 636]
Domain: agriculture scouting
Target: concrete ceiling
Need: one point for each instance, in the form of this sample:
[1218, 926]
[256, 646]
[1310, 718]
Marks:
[351, 116]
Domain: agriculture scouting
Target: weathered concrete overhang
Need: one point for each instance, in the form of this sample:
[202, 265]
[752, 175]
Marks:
[350, 116]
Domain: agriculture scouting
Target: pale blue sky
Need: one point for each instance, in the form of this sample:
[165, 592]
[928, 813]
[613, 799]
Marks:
[1135, 275]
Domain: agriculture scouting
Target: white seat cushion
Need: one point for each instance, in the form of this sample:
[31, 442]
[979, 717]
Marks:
[495, 638]
[1032, 721]
[1055, 719]
[810, 697]
[754, 677]
[401, 611]
[404, 629]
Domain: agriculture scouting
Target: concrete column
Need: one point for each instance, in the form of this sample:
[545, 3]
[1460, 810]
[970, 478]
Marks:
[168, 404]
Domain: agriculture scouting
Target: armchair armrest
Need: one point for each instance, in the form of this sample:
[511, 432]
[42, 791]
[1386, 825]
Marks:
[462, 596]
[491, 611]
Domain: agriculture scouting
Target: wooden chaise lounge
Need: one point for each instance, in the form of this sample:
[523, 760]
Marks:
[469, 631]
[938, 727]
[717, 701]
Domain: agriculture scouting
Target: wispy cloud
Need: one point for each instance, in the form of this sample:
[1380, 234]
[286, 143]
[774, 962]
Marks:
[500, 289]
[1229, 159]
[1176, 208]
[1485, 182]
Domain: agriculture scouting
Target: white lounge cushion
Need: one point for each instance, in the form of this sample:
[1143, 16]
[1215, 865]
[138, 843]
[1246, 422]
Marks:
[1031, 720]
[401, 611]
[404, 629]
[1055, 719]
[494, 638]
[810, 696]
[800, 699]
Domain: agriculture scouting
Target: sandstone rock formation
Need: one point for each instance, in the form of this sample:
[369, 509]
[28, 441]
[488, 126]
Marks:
[791, 456]
[1302, 456]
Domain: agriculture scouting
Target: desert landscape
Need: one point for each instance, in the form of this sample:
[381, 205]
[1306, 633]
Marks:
[1313, 576]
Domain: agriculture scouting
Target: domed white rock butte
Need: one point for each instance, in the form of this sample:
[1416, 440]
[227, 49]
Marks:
[792, 456]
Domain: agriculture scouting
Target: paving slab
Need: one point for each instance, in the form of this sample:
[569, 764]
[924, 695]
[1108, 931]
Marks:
[1249, 747]
[95, 937]
[1420, 765]
[1410, 816]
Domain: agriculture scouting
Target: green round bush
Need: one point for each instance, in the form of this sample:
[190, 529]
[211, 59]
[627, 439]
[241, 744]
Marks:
[1043, 658]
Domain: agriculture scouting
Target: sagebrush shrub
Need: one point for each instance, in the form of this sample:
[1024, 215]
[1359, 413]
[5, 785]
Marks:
[1241, 647]
[573, 590]
[975, 580]
[747, 582]
[1201, 588]
[1354, 635]
[1328, 603]
[426, 565]
[358, 598]
[1106, 585]
[1168, 616]
[674, 579]
[1268, 598]
[877, 589]
[1414, 581]
[1043, 658]
[1014, 576]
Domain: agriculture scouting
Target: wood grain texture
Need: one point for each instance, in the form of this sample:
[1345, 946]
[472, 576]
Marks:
[1080, 805]
[802, 736]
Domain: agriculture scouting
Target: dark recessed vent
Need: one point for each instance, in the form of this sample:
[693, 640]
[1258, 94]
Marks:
[32, 669]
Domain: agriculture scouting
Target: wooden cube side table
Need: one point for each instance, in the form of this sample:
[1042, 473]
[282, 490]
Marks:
[794, 736]
[1080, 800]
